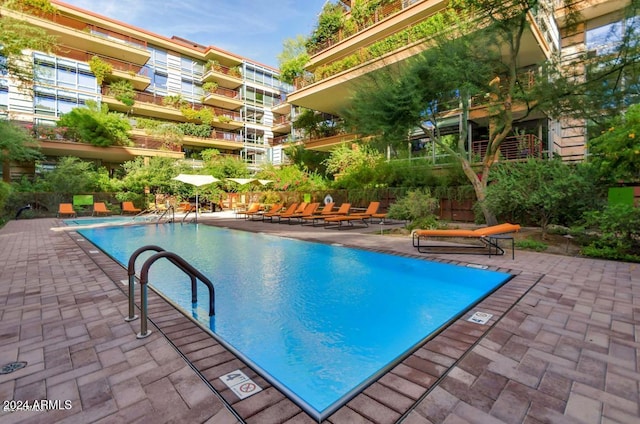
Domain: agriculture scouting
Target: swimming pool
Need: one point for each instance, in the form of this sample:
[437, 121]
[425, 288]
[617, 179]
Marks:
[90, 220]
[107, 220]
[318, 321]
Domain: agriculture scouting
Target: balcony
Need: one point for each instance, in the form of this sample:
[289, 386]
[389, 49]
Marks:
[513, 148]
[380, 14]
[281, 124]
[106, 154]
[386, 21]
[282, 107]
[225, 76]
[337, 70]
[146, 104]
[138, 75]
[151, 105]
[88, 37]
[224, 98]
[218, 140]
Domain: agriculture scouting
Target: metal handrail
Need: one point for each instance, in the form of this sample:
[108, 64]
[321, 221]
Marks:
[173, 214]
[144, 279]
[187, 214]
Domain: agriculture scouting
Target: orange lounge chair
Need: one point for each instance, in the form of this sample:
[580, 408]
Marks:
[100, 208]
[270, 215]
[342, 210]
[274, 209]
[66, 209]
[362, 217]
[185, 207]
[252, 209]
[297, 217]
[127, 207]
[488, 236]
[287, 214]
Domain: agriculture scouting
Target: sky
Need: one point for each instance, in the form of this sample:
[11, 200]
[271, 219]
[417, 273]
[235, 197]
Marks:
[254, 29]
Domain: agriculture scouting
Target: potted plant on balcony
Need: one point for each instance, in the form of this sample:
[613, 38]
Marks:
[212, 65]
[123, 91]
[210, 87]
[174, 100]
[235, 71]
[100, 69]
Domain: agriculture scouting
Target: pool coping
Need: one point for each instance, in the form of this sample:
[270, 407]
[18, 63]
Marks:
[398, 391]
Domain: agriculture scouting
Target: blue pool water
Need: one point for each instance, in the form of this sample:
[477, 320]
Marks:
[318, 321]
[105, 220]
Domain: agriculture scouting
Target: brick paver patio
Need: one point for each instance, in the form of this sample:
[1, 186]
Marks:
[563, 346]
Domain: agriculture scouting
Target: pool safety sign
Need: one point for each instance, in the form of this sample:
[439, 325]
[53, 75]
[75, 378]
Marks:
[480, 317]
[240, 384]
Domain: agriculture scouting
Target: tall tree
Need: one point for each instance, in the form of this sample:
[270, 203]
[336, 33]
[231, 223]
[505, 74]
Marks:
[16, 145]
[474, 54]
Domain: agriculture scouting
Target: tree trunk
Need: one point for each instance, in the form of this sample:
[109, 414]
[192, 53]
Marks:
[480, 188]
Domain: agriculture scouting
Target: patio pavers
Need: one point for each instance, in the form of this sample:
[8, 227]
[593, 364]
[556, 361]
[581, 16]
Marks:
[564, 345]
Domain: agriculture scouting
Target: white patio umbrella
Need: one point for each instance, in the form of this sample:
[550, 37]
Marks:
[198, 181]
[242, 181]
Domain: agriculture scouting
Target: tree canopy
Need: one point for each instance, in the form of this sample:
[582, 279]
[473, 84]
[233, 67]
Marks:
[16, 36]
[617, 149]
[474, 59]
[96, 125]
[16, 144]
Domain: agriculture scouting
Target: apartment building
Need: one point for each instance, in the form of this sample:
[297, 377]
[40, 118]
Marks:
[339, 62]
[228, 101]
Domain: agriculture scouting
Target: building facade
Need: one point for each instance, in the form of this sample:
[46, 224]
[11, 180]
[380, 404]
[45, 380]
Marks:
[215, 98]
[391, 34]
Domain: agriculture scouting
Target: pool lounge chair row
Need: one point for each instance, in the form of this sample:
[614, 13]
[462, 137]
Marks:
[483, 240]
[311, 214]
[99, 208]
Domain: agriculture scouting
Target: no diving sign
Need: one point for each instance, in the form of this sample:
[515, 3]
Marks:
[240, 384]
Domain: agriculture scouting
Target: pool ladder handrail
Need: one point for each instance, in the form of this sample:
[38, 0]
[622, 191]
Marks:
[173, 215]
[187, 214]
[144, 279]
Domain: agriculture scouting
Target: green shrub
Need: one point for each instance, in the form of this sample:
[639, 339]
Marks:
[5, 192]
[613, 233]
[531, 244]
[417, 207]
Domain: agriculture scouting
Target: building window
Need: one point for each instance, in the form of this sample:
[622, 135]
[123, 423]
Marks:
[4, 96]
[190, 89]
[160, 80]
[604, 39]
[158, 57]
[64, 73]
[52, 102]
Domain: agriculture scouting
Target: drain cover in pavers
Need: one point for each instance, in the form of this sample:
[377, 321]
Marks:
[13, 366]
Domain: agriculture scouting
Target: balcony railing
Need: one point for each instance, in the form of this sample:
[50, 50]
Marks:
[77, 24]
[513, 148]
[221, 69]
[158, 100]
[282, 120]
[225, 92]
[378, 15]
[276, 141]
[227, 136]
[120, 65]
